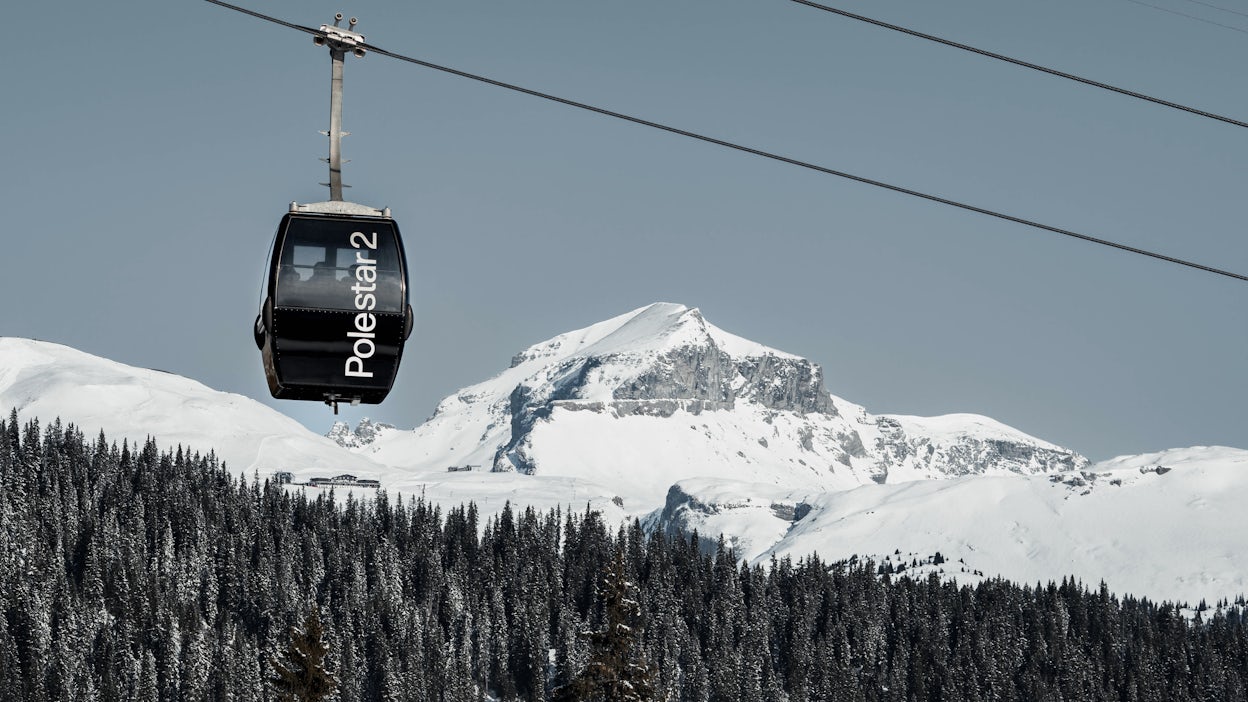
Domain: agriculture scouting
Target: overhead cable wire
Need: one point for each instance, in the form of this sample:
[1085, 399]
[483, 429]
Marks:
[1028, 64]
[1219, 7]
[769, 155]
[266, 18]
[1191, 17]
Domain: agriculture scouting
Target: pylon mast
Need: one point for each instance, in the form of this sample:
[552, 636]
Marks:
[340, 41]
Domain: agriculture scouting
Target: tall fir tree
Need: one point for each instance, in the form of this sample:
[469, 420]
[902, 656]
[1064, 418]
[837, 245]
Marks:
[617, 670]
[303, 675]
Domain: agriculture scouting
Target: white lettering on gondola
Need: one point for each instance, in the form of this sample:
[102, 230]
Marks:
[365, 322]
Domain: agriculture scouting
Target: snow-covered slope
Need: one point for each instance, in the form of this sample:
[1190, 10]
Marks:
[1167, 525]
[46, 381]
[659, 394]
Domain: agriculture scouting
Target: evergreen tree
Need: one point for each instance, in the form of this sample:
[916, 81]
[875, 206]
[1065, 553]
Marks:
[302, 675]
[617, 670]
[131, 574]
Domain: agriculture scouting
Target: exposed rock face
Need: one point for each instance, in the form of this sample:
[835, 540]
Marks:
[967, 455]
[972, 455]
[688, 510]
[786, 384]
[365, 433]
[959, 445]
[690, 373]
[704, 371]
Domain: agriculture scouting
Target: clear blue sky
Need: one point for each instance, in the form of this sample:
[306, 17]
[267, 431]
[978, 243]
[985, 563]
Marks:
[151, 148]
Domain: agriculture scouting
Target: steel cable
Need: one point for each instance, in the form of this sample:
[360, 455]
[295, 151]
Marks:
[760, 152]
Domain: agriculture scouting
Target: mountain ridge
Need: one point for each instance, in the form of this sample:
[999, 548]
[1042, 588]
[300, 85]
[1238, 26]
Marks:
[702, 398]
[659, 415]
[1163, 524]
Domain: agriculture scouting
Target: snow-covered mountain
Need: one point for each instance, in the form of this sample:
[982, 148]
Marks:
[659, 394]
[1168, 525]
[660, 415]
[45, 381]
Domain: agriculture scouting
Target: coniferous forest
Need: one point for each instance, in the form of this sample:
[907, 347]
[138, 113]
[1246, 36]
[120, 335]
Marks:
[131, 574]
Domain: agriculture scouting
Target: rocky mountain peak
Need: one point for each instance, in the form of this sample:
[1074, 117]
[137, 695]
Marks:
[660, 392]
[655, 361]
[364, 434]
[667, 351]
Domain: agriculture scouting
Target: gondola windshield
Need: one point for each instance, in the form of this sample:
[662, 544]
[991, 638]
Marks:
[340, 265]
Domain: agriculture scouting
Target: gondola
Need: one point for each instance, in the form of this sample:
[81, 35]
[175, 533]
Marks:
[335, 314]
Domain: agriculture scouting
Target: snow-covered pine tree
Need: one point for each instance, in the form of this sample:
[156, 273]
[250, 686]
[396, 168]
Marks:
[302, 675]
[617, 670]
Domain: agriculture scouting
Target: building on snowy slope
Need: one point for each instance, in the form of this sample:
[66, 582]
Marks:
[344, 479]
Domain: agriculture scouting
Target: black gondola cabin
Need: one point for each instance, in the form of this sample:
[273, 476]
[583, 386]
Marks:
[335, 314]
